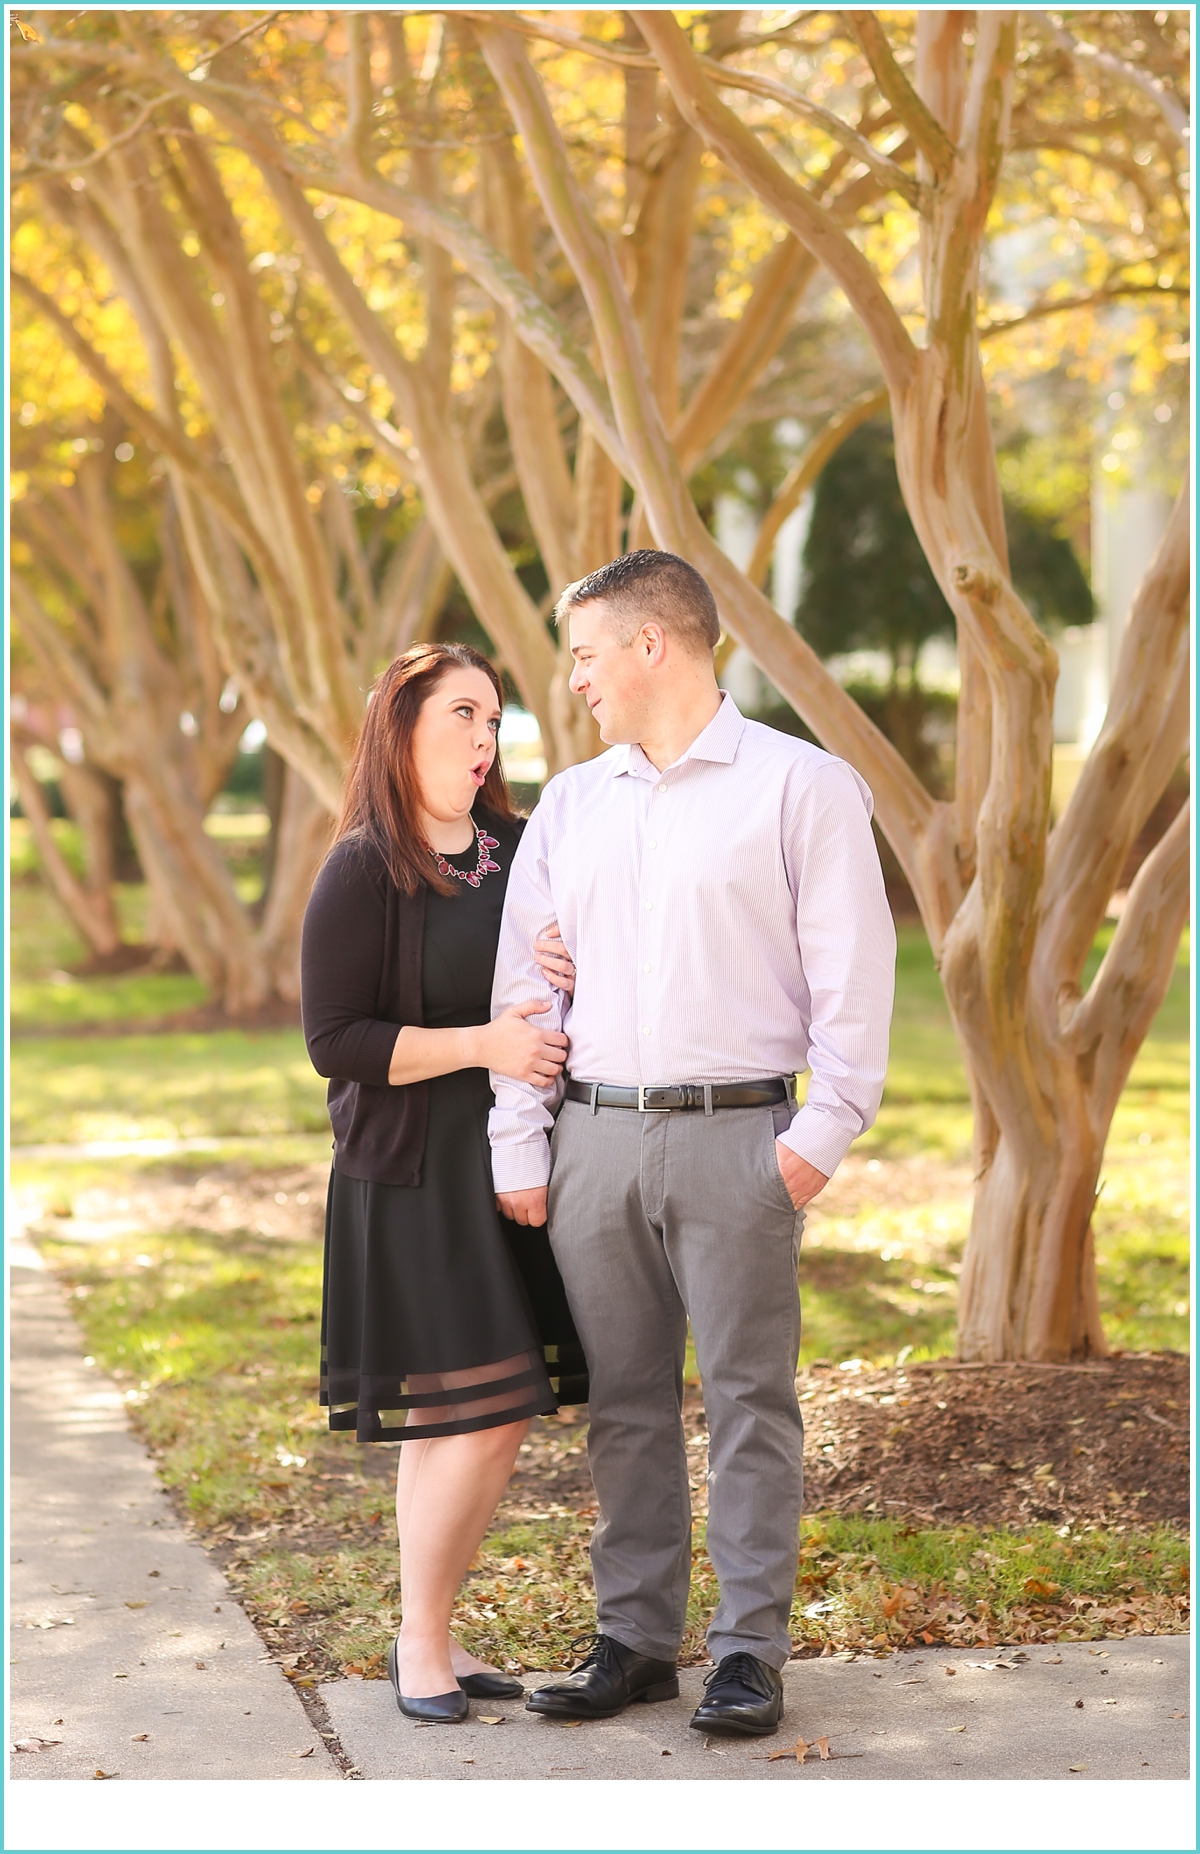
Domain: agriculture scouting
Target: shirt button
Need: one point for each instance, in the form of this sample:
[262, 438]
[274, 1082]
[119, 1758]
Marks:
[645, 968]
[645, 1029]
[652, 845]
[649, 907]
[662, 788]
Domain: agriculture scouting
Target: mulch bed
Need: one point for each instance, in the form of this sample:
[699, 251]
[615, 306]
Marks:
[945, 1444]
[1006, 1445]
[942, 1444]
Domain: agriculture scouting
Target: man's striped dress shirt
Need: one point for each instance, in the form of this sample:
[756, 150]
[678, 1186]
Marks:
[728, 921]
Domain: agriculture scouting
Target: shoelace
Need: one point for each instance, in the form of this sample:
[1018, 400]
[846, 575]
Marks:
[599, 1649]
[741, 1667]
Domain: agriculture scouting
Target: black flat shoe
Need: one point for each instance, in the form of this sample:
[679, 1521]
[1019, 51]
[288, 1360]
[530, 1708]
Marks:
[435, 1708]
[742, 1697]
[490, 1686]
[609, 1679]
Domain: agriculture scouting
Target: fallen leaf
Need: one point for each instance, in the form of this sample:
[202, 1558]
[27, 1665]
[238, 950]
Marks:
[1174, 1715]
[950, 1670]
[129, 1605]
[44, 1744]
[570, 1722]
[1052, 1660]
[120, 1676]
[140, 1738]
[908, 1683]
[307, 1753]
[202, 1665]
[799, 1751]
[27, 33]
[490, 1718]
[956, 1728]
[1077, 1767]
[102, 1776]
[823, 1748]
[668, 1754]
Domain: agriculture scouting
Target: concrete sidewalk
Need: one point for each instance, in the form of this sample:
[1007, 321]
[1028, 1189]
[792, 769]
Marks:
[126, 1644]
[1002, 1713]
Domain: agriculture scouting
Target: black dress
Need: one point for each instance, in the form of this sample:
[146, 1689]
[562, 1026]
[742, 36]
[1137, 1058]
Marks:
[433, 1302]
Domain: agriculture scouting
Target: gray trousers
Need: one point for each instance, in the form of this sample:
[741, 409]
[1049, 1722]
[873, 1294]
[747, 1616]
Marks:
[655, 1219]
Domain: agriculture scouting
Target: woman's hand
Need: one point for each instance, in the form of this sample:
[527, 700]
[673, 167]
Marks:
[555, 961]
[511, 1046]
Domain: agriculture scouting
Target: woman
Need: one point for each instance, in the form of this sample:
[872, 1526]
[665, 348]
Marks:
[443, 1325]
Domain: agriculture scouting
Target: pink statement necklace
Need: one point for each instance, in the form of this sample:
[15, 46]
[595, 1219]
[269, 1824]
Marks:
[485, 865]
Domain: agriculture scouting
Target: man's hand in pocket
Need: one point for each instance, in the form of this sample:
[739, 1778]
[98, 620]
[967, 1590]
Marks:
[802, 1179]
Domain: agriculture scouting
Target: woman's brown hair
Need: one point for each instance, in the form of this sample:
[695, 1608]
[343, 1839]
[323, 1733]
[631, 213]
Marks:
[383, 798]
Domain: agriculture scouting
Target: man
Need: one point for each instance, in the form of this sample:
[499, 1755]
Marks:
[719, 890]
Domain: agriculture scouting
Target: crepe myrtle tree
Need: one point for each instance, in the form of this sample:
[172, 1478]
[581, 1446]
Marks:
[1011, 905]
[112, 619]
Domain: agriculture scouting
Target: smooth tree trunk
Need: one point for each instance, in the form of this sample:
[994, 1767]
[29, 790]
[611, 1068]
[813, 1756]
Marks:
[89, 905]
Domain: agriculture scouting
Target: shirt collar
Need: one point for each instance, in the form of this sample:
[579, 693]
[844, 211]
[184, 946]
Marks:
[717, 743]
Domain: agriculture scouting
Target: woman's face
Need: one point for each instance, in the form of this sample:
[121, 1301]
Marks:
[454, 742]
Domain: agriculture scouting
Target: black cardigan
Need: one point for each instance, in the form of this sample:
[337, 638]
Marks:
[360, 985]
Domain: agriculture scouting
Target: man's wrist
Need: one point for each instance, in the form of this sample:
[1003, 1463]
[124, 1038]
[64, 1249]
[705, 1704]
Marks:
[818, 1139]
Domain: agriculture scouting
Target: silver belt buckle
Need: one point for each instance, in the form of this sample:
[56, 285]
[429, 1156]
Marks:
[641, 1107]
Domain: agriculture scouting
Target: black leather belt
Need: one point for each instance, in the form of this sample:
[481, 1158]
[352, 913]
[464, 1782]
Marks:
[688, 1096]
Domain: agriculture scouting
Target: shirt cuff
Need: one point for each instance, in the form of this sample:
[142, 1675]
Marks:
[819, 1139]
[521, 1168]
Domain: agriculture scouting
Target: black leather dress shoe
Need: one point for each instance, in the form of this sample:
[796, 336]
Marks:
[742, 1696]
[432, 1709]
[609, 1679]
[490, 1686]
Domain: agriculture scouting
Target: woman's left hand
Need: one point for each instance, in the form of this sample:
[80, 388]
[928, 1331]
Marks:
[555, 961]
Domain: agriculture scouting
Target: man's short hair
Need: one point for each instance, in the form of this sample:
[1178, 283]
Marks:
[650, 584]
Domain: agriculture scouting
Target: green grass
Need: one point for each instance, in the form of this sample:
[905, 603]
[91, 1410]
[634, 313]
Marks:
[181, 1086]
[214, 1339]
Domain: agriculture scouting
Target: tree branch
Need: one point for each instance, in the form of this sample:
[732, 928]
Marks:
[42, 169]
[90, 909]
[748, 159]
[1091, 299]
[731, 78]
[1168, 104]
[881, 165]
[359, 93]
[181, 452]
[1111, 1021]
[805, 471]
[1092, 838]
[924, 127]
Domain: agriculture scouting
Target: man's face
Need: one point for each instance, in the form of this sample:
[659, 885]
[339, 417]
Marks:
[615, 679]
